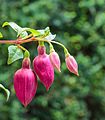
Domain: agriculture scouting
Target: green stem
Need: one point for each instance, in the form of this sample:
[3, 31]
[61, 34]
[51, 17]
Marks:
[51, 47]
[65, 49]
[41, 43]
[26, 53]
[27, 36]
[21, 47]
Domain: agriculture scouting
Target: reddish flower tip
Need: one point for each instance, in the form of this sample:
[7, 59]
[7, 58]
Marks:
[72, 64]
[55, 60]
[77, 74]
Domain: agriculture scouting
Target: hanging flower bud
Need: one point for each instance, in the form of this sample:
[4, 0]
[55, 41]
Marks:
[55, 60]
[25, 83]
[71, 64]
[43, 67]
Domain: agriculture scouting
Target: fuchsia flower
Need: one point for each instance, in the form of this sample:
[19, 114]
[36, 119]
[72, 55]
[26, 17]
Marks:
[25, 83]
[55, 60]
[43, 67]
[72, 64]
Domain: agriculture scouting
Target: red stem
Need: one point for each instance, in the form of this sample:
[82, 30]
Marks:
[18, 41]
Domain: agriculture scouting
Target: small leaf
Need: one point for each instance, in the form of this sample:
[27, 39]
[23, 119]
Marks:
[33, 31]
[17, 28]
[50, 37]
[13, 25]
[6, 90]
[5, 24]
[47, 34]
[46, 31]
[14, 53]
[22, 34]
[1, 35]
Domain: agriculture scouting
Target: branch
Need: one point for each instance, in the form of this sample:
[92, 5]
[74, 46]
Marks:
[17, 41]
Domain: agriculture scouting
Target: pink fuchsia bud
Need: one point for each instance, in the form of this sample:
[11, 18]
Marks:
[72, 64]
[43, 67]
[55, 60]
[25, 83]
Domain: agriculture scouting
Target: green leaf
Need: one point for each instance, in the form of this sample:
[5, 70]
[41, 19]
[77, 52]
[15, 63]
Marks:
[46, 31]
[6, 90]
[33, 31]
[1, 35]
[14, 53]
[47, 34]
[50, 37]
[17, 28]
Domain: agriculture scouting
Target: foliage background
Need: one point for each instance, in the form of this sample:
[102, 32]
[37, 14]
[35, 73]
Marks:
[80, 26]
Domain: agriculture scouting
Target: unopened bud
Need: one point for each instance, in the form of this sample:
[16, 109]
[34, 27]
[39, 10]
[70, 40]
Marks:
[25, 83]
[55, 60]
[72, 64]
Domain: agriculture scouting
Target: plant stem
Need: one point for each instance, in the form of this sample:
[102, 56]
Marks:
[18, 41]
[41, 43]
[21, 41]
[65, 49]
[21, 47]
[8, 41]
[27, 36]
[26, 53]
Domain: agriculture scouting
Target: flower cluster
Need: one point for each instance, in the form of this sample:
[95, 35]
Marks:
[25, 80]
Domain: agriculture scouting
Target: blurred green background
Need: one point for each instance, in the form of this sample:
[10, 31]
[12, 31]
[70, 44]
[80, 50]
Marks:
[80, 26]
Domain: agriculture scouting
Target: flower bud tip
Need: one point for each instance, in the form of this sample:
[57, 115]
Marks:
[47, 89]
[59, 70]
[72, 64]
[78, 74]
